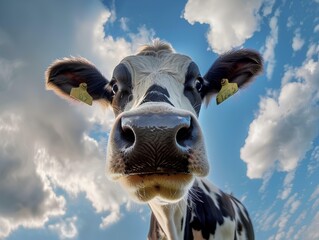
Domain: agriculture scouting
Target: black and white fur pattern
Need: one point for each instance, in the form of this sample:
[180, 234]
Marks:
[155, 95]
[207, 213]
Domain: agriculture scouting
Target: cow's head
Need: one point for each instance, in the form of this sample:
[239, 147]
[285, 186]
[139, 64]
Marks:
[156, 147]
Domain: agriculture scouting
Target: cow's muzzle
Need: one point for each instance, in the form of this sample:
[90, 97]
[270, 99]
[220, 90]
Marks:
[155, 142]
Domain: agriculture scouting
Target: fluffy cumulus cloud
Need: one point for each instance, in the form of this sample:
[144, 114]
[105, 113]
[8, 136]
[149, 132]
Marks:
[45, 142]
[231, 22]
[26, 198]
[287, 122]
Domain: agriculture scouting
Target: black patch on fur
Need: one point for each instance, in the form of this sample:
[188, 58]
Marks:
[158, 89]
[225, 205]
[203, 215]
[157, 93]
[205, 186]
[190, 90]
[122, 77]
[244, 223]
[239, 227]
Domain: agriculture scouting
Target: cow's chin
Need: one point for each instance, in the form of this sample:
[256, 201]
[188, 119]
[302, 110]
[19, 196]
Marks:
[162, 188]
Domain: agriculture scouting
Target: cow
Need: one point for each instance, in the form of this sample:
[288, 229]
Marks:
[156, 150]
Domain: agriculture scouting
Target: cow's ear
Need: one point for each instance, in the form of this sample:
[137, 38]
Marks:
[240, 66]
[68, 73]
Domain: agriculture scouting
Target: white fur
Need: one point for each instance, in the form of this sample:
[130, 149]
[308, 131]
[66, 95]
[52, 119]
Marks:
[168, 71]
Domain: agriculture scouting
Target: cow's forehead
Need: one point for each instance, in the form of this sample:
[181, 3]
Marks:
[173, 64]
[167, 70]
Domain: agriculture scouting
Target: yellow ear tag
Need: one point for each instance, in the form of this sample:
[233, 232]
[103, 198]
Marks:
[227, 90]
[80, 93]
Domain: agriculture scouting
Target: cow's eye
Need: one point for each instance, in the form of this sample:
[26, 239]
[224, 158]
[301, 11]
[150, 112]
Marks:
[199, 84]
[115, 88]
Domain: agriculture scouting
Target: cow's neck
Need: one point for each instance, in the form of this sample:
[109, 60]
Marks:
[167, 221]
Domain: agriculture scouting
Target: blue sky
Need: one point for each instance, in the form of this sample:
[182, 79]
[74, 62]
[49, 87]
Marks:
[262, 143]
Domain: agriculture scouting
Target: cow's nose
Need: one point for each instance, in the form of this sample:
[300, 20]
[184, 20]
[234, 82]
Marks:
[155, 143]
[176, 130]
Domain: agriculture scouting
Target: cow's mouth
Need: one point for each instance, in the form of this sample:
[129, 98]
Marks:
[159, 171]
[167, 187]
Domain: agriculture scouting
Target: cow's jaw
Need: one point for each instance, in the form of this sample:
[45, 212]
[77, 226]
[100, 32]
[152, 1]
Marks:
[166, 169]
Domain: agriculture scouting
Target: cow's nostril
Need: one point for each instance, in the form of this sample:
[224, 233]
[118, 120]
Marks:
[128, 136]
[184, 136]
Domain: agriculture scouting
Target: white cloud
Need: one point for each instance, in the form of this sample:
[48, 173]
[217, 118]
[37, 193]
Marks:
[143, 36]
[315, 194]
[266, 178]
[106, 50]
[301, 218]
[7, 71]
[286, 123]
[294, 206]
[110, 219]
[124, 23]
[287, 186]
[312, 50]
[231, 22]
[267, 7]
[285, 222]
[290, 207]
[290, 22]
[297, 41]
[266, 218]
[243, 198]
[314, 161]
[315, 205]
[26, 199]
[271, 43]
[66, 229]
[46, 142]
[310, 231]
